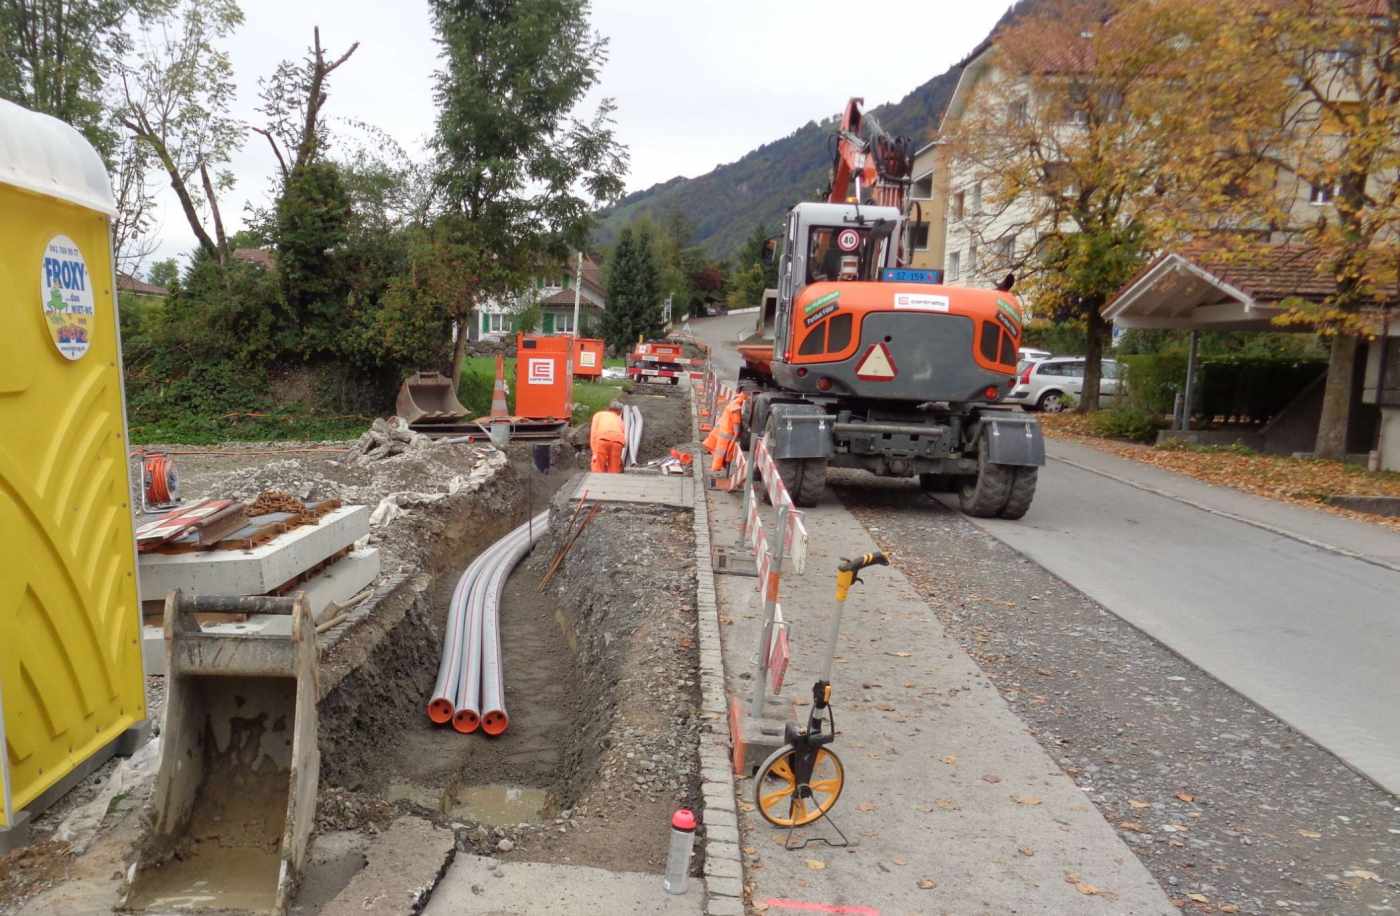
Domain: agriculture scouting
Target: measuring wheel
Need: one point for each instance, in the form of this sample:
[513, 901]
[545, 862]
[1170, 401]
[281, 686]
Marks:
[785, 799]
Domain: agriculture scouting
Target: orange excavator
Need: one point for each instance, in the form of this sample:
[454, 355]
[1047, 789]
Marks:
[880, 366]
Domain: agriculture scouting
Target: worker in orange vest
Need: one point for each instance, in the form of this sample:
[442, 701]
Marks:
[726, 432]
[606, 437]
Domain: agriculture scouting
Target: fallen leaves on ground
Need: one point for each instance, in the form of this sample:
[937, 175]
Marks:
[1310, 834]
[947, 804]
[927, 884]
[1027, 851]
[1362, 874]
[1028, 800]
[951, 760]
[866, 806]
[1304, 481]
[1185, 796]
[1084, 887]
[1199, 898]
[991, 777]
[1131, 826]
[1135, 803]
[816, 864]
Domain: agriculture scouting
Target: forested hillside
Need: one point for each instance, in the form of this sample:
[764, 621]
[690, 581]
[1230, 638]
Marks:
[725, 204]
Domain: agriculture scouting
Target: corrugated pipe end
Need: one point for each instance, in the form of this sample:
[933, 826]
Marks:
[440, 711]
[465, 721]
[495, 722]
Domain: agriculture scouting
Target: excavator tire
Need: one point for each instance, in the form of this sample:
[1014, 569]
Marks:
[813, 486]
[805, 479]
[1022, 492]
[987, 494]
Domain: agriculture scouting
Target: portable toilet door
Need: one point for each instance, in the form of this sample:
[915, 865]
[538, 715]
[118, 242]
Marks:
[71, 681]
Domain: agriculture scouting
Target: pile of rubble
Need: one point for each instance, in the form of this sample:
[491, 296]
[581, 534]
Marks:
[385, 438]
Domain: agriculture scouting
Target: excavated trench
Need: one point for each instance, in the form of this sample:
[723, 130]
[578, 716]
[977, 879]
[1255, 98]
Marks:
[601, 679]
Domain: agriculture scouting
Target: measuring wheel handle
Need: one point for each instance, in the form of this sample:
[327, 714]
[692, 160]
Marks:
[848, 573]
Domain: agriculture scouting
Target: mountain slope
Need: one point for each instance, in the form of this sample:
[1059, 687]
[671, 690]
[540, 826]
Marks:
[725, 204]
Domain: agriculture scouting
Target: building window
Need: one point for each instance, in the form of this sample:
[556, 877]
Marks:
[954, 265]
[1018, 113]
[922, 188]
[919, 236]
[976, 203]
[959, 204]
[1005, 251]
[564, 323]
[499, 322]
[1322, 194]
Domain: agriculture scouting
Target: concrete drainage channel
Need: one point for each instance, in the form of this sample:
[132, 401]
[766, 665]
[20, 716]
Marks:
[603, 682]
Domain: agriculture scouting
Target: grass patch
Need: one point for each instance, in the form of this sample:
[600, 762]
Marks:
[299, 423]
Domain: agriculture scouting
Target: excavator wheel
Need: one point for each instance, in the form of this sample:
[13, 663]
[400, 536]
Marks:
[1022, 492]
[998, 490]
[805, 479]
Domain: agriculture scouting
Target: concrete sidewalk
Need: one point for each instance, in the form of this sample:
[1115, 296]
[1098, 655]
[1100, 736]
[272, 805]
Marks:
[944, 785]
[1315, 527]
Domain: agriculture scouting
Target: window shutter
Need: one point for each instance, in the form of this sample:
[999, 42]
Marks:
[549, 322]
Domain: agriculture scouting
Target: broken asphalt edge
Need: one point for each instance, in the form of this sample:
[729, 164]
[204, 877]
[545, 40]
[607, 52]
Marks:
[722, 855]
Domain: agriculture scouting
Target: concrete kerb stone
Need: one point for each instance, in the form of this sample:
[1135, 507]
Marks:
[724, 870]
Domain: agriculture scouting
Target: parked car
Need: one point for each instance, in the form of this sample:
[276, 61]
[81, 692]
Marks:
[1031, 354]
[1043, 385]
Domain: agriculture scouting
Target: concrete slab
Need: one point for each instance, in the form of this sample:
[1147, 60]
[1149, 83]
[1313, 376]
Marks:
[655, 489]
[943, 782]
[338, 583]
[253, 572]
[342, 580]
[477, 884]
[404, 864]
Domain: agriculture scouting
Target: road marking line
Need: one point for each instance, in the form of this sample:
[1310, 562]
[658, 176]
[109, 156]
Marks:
[1281, 532]
[809, 907]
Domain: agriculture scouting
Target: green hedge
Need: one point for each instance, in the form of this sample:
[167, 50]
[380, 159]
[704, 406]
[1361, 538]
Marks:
[1247, 389]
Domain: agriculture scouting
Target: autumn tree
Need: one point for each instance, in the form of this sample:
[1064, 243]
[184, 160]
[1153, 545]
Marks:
[175, 91]
[520, 177]
[1302, 98]
[1062, 137]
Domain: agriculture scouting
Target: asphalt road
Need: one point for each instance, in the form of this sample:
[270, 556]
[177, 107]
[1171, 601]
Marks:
[1308, 633]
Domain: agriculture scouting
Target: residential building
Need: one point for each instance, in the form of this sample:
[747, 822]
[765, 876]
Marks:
[553, 292]
[928, 198]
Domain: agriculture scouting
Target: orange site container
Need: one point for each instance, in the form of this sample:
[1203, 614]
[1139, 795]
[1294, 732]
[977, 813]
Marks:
[588, 357]
[544, 379]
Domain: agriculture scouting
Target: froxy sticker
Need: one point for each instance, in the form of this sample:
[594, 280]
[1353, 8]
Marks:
[65, 291]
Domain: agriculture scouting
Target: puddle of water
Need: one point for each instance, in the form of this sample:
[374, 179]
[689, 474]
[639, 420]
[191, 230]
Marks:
[214, 877]
[497, 805]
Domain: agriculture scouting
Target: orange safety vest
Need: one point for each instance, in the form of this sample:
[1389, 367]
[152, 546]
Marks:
[606, 427]
[726, 431]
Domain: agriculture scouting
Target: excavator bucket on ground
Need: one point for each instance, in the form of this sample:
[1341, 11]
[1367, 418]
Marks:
[235, 796]
[427, 402]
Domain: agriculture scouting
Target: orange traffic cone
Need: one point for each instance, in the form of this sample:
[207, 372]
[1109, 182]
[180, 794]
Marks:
[498, 392]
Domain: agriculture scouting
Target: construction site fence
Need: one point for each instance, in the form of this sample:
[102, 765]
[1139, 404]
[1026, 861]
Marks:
[751, 474]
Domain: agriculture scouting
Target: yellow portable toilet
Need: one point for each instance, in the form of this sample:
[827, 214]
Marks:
[71, 682]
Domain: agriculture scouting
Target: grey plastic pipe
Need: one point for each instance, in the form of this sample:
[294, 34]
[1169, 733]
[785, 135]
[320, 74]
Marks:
[494, 720]
[442, 705]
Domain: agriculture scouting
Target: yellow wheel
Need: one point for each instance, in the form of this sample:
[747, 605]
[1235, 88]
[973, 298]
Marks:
[776, 791]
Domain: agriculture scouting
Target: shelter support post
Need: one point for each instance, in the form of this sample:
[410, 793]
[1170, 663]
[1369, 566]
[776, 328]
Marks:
[1185, 422]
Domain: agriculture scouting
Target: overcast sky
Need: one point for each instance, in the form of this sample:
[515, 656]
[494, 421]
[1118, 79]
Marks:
[697, 84]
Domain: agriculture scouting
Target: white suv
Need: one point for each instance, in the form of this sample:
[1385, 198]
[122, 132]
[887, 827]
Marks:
[1043, 385]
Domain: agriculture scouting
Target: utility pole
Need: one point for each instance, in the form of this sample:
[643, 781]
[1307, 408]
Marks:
[578, 289]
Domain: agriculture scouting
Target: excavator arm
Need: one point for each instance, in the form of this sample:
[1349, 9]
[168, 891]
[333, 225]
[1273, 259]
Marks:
[882, 165]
